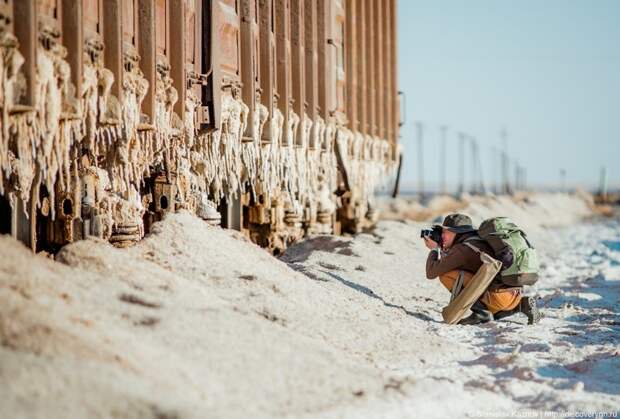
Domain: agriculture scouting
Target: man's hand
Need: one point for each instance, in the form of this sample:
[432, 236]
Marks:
[431, 244]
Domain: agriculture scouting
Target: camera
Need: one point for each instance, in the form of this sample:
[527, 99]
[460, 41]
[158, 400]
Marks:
[434, 234]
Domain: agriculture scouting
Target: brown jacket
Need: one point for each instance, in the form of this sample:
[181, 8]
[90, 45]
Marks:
[459, 256]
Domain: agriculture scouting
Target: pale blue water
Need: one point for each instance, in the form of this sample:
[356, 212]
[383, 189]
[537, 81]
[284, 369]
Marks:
[613, 245]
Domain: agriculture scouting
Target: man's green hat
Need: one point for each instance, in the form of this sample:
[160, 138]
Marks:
[458, 223]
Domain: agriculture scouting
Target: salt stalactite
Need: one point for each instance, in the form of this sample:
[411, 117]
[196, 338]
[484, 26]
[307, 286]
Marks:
[131, 153]
[367, 162]
[289, 169]
[236, 130]
[90, 87]
[270, 170]
[355, 143]
[57, 116]
[314, 159]
[366, 167]
[327, 170]
[328, 158]
[166, 97]
[112, 137]
[250, 149]
[201, 165]
[302, 157]
[101, 114]
[192, 168]
[313, 173]
[186, 181]
[224, 152]
[11, 88]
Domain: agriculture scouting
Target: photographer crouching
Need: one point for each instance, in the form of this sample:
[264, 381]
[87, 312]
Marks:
[451, 255]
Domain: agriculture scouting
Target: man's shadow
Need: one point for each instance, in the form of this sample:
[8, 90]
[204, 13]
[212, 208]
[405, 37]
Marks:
[370, 293]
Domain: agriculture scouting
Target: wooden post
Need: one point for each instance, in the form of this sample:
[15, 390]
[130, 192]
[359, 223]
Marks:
[298, 61]
[113, 40]
[323, 56]
[178, 54]
[250, 67]
[351, 51]
[283, 62]
[267, 57]
[378, 63]
[395, 104]
[73, 40]
[361, 67]
[370, 68]
[25, 28]
[147, 51]
[311, 65]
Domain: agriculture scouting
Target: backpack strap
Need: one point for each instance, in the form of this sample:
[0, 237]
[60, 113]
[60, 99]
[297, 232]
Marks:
[472, 247]
[525, 238]
[476, 249]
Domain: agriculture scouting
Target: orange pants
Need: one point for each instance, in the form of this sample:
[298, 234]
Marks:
[496, 300]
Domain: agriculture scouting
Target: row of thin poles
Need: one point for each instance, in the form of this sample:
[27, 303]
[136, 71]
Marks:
[503, 182]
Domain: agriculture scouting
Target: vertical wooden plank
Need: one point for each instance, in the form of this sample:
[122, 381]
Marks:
[190, 31]
[194, 23]
[129, 16]
[91, 16]
[361, 66]
[298, 60]
[73, 40]
[321, 19]
[196, 58]
[338, 36]
[394, 67]
[351, 64]
[228, 39]
[267, 50]
[178, 53]
[311, 66]
[162, 19]
[379, 66]
[387, 47]
[147, 51]
[370, 67]
[113, 40]
[311, 58]
[283, 62]
[249, 60]
[25, 15]
[49, 8]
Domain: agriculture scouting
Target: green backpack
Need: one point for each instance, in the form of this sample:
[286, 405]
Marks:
[511, 247]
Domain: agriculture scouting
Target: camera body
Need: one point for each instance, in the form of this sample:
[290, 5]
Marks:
[434, 234]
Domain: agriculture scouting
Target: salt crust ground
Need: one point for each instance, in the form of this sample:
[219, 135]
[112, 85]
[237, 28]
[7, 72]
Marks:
[197, 322]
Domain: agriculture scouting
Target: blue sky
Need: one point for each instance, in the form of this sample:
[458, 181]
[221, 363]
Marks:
[546, 70]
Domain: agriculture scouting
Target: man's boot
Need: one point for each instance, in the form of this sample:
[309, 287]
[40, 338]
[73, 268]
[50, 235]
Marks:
[480, 314]
[527, 306]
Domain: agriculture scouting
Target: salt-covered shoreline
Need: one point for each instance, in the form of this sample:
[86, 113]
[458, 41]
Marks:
[196, 321]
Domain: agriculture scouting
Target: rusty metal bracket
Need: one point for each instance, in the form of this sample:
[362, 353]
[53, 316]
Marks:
[403, 116]
[194, 78]
[202, 115]
[331, 42]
